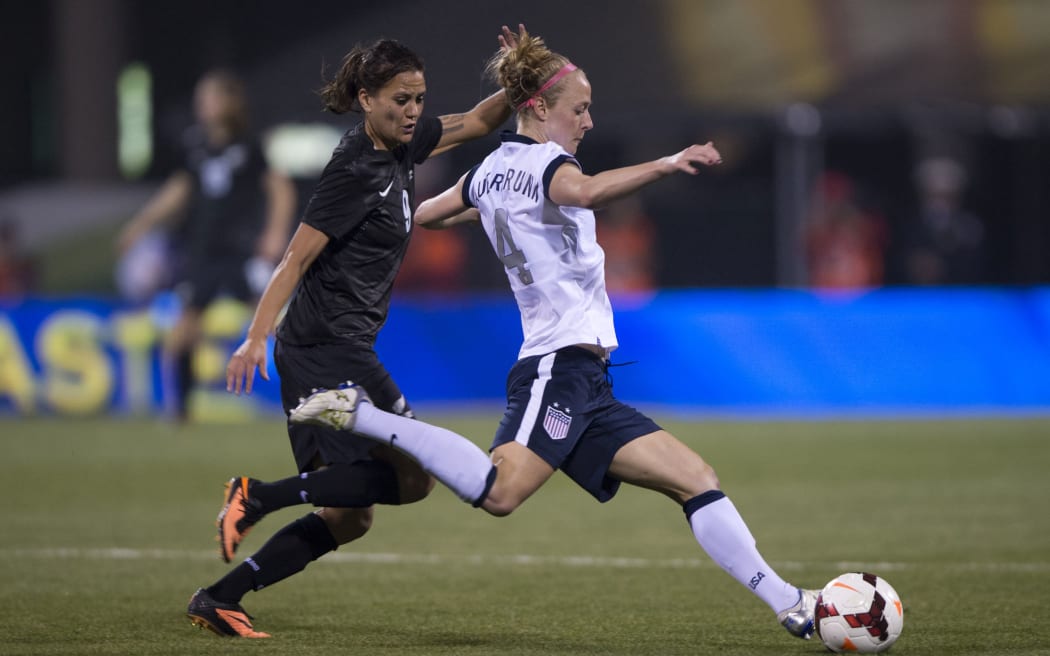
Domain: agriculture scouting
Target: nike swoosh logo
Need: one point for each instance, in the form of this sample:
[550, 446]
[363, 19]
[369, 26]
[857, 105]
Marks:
[386, 191]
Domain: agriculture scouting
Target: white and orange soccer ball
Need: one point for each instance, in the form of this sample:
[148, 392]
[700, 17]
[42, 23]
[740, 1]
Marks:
[858, 613]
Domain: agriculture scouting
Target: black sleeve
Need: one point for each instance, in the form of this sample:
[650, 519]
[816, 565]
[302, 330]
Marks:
[425, 138]
[466, 185]
[339, 202]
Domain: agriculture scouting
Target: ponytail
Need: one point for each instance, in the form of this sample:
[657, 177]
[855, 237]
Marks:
[528, 70]
[369, 69]
[339, 95]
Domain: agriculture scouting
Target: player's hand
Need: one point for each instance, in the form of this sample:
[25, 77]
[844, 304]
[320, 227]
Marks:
[509, 40]
[240, 370]
[695, 154]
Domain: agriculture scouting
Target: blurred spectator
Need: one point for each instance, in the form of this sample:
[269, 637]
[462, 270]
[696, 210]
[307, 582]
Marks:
[236, 214]
[945, 243]
[625, 233]
[17, 270]
[845, 244]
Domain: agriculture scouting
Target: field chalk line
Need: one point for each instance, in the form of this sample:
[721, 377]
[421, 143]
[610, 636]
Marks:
[601, 562]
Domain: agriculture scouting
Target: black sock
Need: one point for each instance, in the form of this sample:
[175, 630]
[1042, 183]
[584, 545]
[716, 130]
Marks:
[359, 485]
[287, 552]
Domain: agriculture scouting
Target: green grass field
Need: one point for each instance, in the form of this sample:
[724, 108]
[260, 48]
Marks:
[106, 529]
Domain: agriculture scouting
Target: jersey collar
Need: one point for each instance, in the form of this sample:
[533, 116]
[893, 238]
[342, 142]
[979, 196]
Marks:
[513, 137]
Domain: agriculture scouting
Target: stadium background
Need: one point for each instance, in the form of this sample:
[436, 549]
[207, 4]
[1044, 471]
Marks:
[894, 427]
[725, 316]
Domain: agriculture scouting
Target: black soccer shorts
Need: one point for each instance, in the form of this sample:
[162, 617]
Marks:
[305, 368]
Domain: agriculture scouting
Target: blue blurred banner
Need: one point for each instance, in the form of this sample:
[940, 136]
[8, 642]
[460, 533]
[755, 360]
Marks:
[733, 352]
[801, 352]
[768, 351]
[89, 356]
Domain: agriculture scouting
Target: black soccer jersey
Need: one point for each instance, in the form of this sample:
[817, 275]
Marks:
[363, 202]
[227, 211]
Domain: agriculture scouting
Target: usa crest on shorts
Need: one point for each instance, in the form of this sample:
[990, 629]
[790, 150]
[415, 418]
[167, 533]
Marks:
[556, 423]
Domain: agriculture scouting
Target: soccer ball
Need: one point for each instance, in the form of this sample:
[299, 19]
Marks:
[859, 613]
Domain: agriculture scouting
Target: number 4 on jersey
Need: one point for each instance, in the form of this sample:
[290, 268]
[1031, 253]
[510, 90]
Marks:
[509, 254]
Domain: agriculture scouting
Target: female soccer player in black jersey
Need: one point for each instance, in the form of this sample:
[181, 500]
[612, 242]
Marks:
[236, 209]
[340, 264]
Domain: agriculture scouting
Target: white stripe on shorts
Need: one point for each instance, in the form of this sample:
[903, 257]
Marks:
[532, 410]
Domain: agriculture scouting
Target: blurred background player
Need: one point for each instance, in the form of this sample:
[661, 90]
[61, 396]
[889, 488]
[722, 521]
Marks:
[341, 265]
[536, 206]
[236, 216]
[945, 242]
[17, 268]
[845, 242]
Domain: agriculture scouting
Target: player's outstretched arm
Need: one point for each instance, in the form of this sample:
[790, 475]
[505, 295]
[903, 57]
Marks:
[446, 209]
[486, 116]
[307, 243]
[570, 186]
[168, 201]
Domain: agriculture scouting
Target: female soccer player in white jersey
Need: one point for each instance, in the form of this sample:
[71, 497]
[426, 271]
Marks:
[535, 204]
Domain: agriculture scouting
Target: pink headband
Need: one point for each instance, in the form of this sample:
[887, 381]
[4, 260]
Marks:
[562, 72]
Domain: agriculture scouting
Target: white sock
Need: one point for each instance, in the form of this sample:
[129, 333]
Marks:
[449, 457]
[722, 533]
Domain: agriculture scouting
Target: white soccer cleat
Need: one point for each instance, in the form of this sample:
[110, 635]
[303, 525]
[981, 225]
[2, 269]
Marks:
[332, 408]
[798, 619]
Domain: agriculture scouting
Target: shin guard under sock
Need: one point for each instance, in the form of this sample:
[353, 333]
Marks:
[722, 533]
[288, 552]
[357, 485]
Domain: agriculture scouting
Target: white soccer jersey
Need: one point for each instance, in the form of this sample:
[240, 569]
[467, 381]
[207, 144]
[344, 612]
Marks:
[553, 261]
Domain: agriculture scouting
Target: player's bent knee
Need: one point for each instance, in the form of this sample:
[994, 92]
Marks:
[416, 487]
[703, 479]
[497, 509]
[709, 477]
[347, 524]
[499, 503]
[413, 482]
[691, 482]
